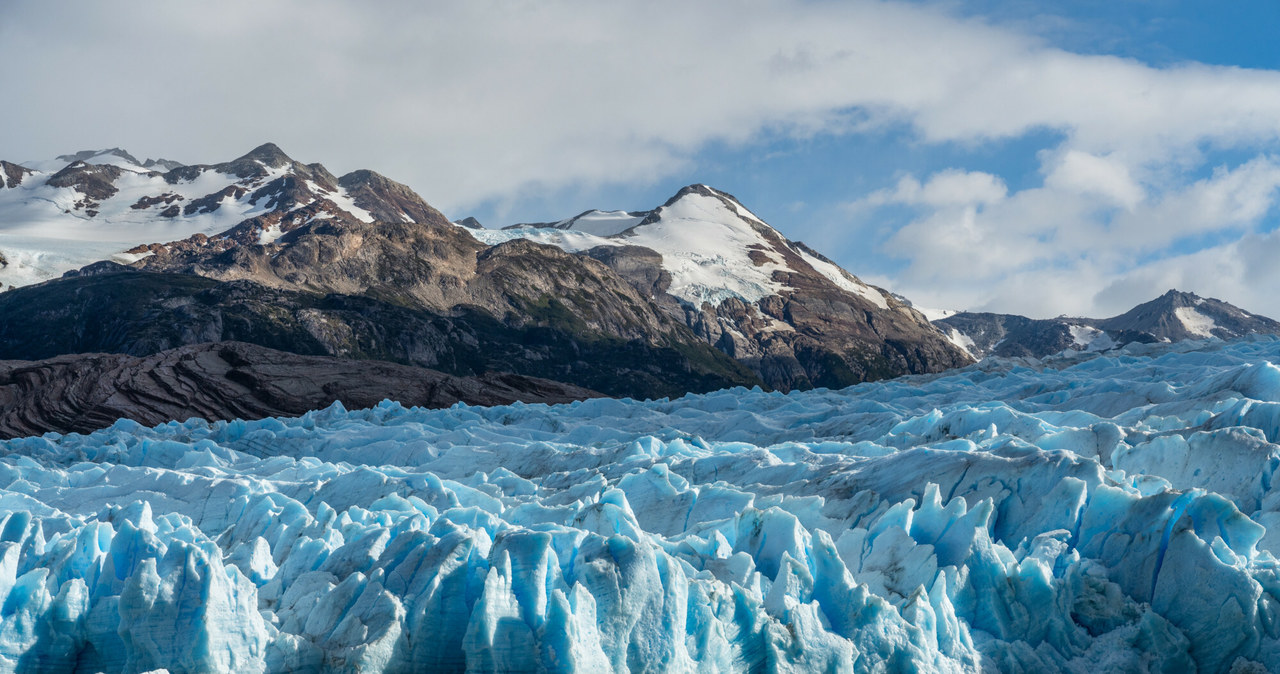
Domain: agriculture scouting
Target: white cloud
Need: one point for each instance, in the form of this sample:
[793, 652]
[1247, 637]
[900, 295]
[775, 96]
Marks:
[1091, 175]
[476, 100]
[483, 100]
[1058, 248]
[948, 188]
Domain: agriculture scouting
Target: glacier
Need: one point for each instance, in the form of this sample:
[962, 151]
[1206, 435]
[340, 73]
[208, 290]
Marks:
[1110, 511]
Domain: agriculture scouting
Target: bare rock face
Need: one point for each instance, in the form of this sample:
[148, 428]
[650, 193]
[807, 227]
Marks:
[110, 308]
[95, 182]
[437, 266]
[640, 266]
[386, 199]
[232, 380]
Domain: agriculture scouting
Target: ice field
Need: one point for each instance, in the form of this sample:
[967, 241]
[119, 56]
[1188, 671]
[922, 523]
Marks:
[1098, 513]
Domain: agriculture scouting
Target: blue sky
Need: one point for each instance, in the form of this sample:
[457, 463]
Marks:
[1005, 155]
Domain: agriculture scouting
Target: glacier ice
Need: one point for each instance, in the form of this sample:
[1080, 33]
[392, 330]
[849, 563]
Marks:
[1098, 512]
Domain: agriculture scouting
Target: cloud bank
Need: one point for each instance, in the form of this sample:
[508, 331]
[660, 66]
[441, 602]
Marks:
[1160, 177]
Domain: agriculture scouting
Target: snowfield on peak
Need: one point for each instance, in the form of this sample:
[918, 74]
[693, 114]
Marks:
[52, 221]
[1195, 322]
[710, 244]
[1101, 512]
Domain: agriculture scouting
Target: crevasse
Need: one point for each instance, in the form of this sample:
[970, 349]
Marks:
[1109, 512]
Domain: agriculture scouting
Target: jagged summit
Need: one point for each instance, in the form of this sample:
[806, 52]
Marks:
[116, 207]
[792, 315]
[1174, 316]
[97, 156]
[269, 154]
[1178, 315]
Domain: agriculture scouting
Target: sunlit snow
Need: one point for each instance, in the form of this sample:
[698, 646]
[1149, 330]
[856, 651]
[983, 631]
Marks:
[705, 243]
[1090, 338]
[1195, 322]
[961, 340]
[1113, 512]
[43, 233]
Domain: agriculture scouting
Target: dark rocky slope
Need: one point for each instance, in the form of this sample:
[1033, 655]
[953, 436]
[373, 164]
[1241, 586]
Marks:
[230, 380]
[113, 309]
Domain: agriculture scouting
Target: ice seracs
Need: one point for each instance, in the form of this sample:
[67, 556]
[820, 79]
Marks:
[1111, 513]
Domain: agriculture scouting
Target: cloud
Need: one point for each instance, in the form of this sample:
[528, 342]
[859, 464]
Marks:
[1060, 248]
[948, 188]
[484, 101]
[1086, 174]
[476, 100]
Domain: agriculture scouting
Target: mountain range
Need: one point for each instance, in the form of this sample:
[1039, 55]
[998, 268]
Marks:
[695, 295]
[1172, 317]
[272, 259]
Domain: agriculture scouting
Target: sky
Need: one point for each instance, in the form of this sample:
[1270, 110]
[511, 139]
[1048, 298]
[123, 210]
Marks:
[996, 155]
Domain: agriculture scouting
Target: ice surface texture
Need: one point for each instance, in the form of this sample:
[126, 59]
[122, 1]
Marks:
[1111, 514]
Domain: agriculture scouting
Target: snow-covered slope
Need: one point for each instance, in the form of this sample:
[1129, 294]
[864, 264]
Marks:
[62, 214]
[793, 316]
[1174, 316]
[713, 247]
[1118, 514]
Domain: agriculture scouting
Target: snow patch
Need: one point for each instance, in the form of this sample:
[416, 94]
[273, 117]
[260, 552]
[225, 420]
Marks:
[270, 234]
[1089, 338]
[844, 280]
[931, 314]
[965, 342]
[130, 258]
[705, 246]
[1195, 322]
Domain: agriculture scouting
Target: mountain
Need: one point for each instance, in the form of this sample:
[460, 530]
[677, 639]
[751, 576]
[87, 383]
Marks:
[108, 308]
[232, 380]
[1172, 317]
[98, 204]
[793, 316]
[696, 294]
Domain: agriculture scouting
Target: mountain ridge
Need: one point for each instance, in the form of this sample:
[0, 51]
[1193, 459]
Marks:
[115, 207]
[697, 293]
[792, 315]
[1173, 316]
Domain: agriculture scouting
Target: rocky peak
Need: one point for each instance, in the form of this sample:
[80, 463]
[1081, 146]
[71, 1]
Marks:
[793, 316]
[95, 181]
[161, 164]
[469, 222]
[388, 200]
[1171, 317]
[269, 154]
[96, 156]
[12, 175]
[1178, 315]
